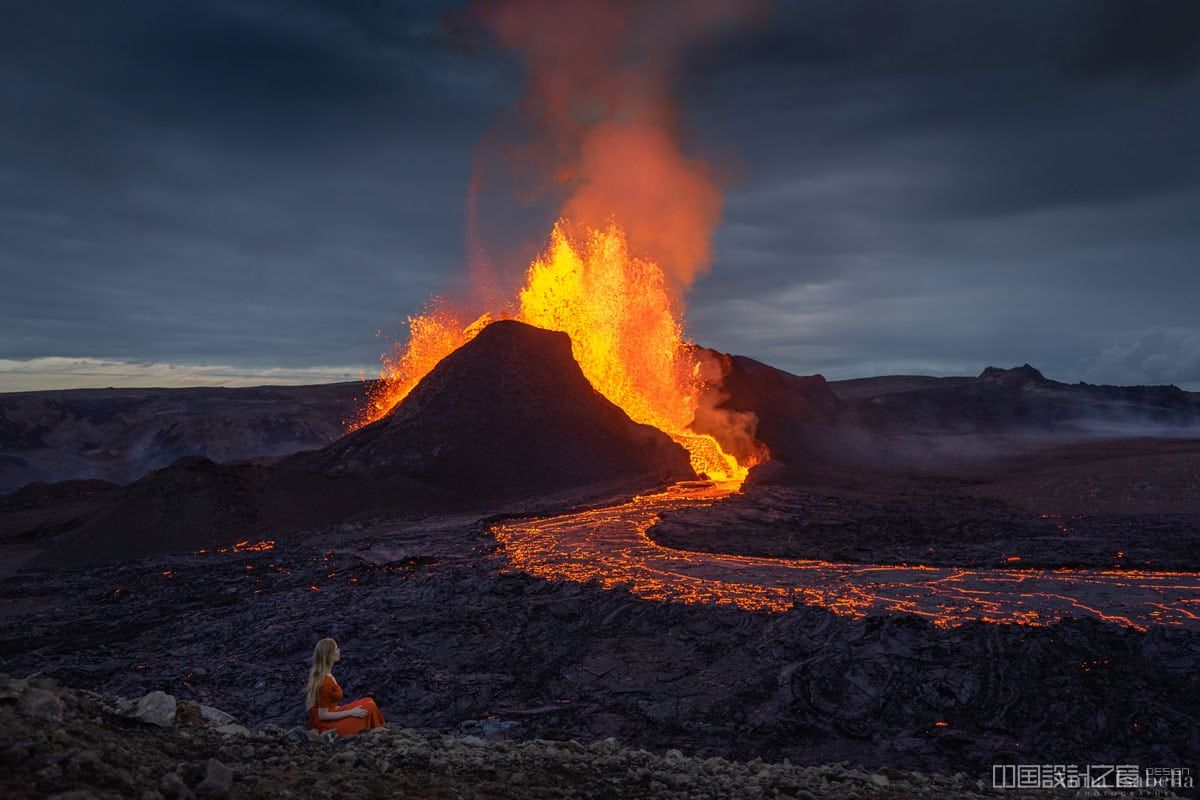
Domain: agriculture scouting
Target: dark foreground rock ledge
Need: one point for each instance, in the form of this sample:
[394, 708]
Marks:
[65, 743]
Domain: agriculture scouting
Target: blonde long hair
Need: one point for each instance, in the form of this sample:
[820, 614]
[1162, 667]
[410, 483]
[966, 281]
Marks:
[324, 654]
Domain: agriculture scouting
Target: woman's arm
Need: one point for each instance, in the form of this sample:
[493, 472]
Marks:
[325, 715]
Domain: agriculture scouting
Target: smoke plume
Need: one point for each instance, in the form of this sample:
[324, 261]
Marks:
[599, 120]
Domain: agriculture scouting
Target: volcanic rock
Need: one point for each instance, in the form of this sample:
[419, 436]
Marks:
[507, 416]
[1017, 400]
[174, 788]
[40, 704]
[44, 508]
[124, 761]
[11, 688]
[218, 780]
[1024, 374]
[790, 414]
[233, 729]
[120, 434]
[460, 637]
[215, 716]
[196, 504]
[156, 708]
[187, 712]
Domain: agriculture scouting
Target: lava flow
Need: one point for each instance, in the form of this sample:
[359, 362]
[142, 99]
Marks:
[626, 333]
[609, 545]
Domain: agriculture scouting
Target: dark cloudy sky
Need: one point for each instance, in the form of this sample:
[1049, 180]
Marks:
[235, 191]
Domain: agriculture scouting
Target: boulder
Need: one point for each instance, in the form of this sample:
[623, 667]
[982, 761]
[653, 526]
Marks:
[217, 781]
[11, 688]
[187, 712]
[173, 787]
[40, 704]
[215, 716]
[233, 729]
[155, 708]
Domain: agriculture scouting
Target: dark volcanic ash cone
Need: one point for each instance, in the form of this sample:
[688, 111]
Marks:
[509, 415]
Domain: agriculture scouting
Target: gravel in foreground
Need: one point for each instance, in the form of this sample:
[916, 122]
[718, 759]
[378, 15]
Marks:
[63, 743]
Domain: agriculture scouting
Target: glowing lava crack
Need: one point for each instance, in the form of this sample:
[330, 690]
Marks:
[609, 545]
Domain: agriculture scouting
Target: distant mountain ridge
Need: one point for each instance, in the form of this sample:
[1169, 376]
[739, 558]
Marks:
[1016, 400]
[119, 435]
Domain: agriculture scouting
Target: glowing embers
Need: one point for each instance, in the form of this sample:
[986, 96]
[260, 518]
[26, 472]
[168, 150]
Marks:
[609, 546]
[244, 546]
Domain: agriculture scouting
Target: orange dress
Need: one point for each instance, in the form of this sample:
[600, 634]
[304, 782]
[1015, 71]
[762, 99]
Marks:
[328, 697]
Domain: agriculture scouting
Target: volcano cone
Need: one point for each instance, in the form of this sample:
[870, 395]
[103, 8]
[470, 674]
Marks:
[508, 415]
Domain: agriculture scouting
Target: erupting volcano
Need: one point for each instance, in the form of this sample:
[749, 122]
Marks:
[598, 132]
[626, 334]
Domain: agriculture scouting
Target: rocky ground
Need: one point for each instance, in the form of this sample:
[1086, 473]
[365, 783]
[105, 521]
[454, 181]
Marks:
[434, 625]
[930, 525]
[67, 744]
[1104, 503]
[120, 434]
[499, 683]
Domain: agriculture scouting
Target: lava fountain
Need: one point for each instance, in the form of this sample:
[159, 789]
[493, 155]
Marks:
[626, 333]
[597, 131]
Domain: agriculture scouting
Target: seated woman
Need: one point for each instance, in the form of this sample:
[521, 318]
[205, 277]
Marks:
[323, 695]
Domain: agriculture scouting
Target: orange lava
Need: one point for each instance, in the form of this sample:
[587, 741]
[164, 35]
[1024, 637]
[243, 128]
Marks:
[244, 546]
[609, 546]
[626, 333]
[432, 336]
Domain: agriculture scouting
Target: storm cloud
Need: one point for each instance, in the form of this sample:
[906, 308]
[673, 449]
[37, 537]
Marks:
[910, 187]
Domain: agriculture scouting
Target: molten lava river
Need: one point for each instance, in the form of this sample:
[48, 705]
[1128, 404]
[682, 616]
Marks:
[609, 545]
